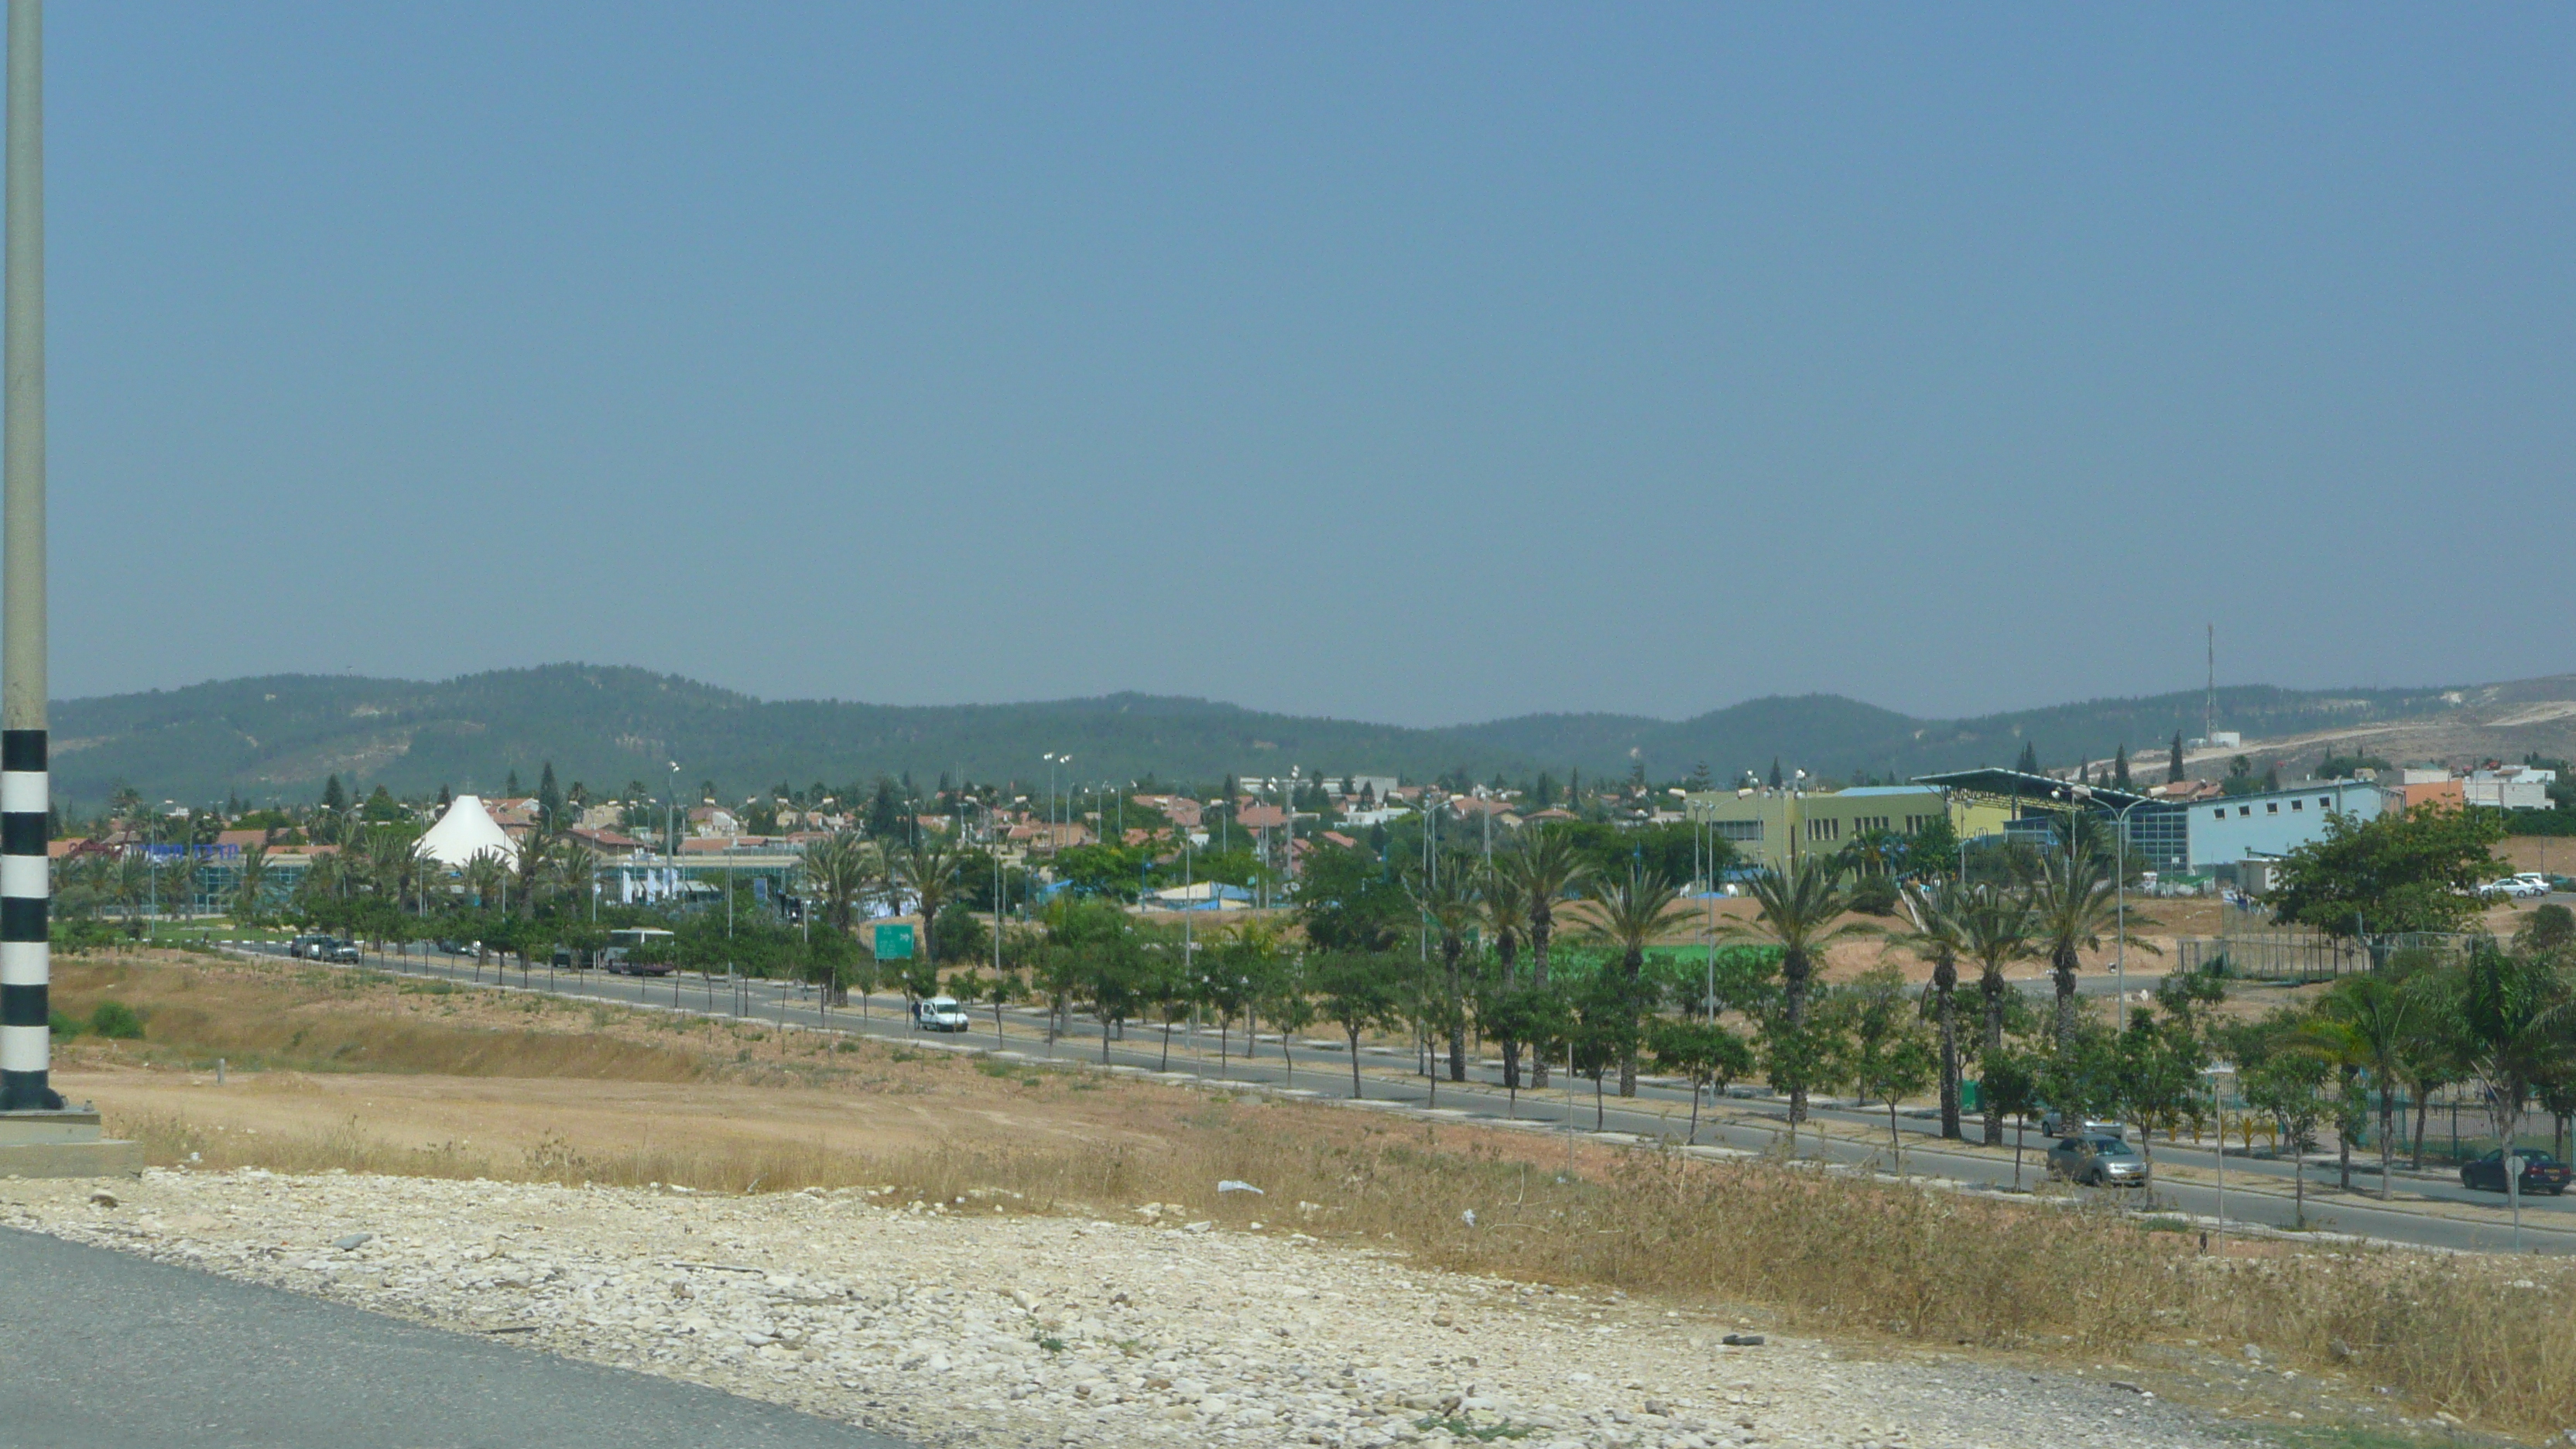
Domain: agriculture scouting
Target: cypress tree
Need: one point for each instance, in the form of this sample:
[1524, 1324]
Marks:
[549, 798]
[2120, 768]
[2173, 768]
[335, 796]
[1775, 772]
[2029, 764]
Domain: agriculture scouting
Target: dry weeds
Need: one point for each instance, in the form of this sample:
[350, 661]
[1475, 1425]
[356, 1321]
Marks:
[2487, 1339]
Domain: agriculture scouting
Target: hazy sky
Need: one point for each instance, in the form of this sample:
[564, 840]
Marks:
[1417, 363]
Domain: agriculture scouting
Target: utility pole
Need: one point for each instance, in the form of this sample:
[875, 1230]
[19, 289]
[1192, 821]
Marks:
[2209, 701]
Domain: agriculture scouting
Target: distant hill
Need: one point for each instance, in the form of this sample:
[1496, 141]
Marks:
[279, 737]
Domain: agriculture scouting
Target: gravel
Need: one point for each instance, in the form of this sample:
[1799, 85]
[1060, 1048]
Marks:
[963, 1323]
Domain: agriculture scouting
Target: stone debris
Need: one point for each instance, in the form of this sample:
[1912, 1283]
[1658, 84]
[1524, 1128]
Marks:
[953, 1329]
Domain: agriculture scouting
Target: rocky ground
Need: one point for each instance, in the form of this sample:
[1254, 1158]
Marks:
[970, 1323]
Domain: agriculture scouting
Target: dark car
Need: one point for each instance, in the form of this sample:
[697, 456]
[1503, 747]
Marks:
[2097, 1159]
[2540, 1172]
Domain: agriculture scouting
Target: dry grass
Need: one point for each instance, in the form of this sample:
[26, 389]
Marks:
[1823, 1251]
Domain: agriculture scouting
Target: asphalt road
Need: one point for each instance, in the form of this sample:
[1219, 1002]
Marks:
[2259, 1191]
[107, 1351]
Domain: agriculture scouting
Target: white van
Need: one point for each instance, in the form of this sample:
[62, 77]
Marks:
[940, 1013]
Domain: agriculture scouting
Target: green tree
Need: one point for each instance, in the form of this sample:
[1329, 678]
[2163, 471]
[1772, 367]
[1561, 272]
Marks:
[1350, 903]
[2173, 763]
[928, 871]
[1703, 1053]
[2009, 1082]
[1879, 1045]
[2295, 1088]
[2416, 871]
[1356, 991]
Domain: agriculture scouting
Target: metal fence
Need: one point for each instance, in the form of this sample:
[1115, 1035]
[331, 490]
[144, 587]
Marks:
[2303, 955]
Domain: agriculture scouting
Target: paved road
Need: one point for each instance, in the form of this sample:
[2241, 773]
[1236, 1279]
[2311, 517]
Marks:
[2258, 1191]
[106, 1351]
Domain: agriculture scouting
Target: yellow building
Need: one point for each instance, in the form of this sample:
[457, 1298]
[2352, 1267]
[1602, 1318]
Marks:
[1764, 826]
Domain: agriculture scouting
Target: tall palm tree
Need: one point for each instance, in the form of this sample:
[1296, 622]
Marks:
[1449, 904]
[1799, 910]
[1941, 938]
[2377, 1022]
[1627, 916]
[930, 871]
[1544, 868]
[1995, 928]
[534, 870]
[2074, 903]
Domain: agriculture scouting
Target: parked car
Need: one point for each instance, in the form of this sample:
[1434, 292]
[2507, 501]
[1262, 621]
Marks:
[2515, 887]
[2053, 1124]
[340, 952]
[2540, 1172]
[2097, 1160]
[940, 1013]
[306, 948]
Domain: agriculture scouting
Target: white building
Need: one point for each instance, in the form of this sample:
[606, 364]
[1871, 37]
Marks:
[2514, 787]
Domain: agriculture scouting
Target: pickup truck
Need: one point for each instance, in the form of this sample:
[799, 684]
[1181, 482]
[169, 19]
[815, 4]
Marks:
[940, 1013]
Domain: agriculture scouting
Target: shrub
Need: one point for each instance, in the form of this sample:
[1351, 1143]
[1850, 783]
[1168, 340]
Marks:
[1874, 895]
[116, 1021]
[65, 1025]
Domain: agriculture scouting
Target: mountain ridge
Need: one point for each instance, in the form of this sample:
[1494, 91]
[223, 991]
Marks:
[278, 736]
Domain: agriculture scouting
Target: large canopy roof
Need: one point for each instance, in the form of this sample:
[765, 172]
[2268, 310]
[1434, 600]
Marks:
[2036, 790]
[465, 832]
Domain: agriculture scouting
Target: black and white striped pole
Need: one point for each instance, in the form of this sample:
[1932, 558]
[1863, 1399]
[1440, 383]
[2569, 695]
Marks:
[26, 964]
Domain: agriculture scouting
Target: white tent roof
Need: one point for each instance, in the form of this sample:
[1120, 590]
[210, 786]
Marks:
[463, 833]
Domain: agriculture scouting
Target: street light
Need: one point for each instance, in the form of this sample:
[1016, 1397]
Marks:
[2120, 876]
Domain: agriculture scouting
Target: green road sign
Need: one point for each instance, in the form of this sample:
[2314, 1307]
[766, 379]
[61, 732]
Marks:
[894, 943]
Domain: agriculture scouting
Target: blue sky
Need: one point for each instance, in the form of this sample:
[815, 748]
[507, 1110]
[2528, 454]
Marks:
[1418, 363]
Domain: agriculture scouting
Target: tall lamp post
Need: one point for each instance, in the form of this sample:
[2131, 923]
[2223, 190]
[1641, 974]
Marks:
[2120, 888]
[2215, 1071]
[26, 962]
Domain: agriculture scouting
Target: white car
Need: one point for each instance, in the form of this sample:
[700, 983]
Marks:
[2515, 887]
[940, 1013]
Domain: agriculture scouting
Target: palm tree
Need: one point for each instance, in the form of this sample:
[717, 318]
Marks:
[1797, 910]
[838, 869]
[1505, 910]
[1994, 927]
[178, 885]
[536, 852]
[1543, 869]
[2073, 904]
[576, 869]
[2376, 1022]
[1449, 904]
[1628, 916]
[2517, 1011]
[1941, 938]
[929, 870]
[250, 887]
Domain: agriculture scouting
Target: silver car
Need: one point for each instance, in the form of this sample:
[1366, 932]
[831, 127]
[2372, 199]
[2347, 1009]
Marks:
[2097, 1160]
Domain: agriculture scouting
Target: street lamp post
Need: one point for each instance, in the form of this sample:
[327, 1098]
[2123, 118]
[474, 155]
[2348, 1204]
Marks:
[2120, 888]
[26, 963]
